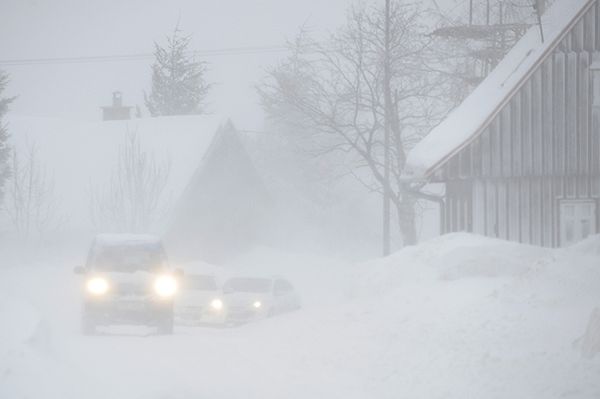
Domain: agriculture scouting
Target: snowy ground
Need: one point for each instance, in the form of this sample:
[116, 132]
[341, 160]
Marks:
[456, 317]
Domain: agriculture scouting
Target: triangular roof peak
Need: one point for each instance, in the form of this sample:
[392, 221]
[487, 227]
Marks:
[479, 109]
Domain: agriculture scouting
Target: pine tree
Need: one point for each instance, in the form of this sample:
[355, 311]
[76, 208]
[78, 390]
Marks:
[4, 150]
[178, 84]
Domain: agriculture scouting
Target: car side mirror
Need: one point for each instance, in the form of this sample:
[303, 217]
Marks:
[79, 270]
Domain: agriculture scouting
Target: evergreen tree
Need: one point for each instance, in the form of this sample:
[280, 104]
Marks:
[4, 150]
[178, 84]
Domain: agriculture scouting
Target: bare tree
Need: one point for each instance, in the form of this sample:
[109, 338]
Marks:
[336, 92]
[135, 196]
[31, 204]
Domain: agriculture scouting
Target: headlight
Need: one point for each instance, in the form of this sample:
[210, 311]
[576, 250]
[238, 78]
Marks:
[97, 286]
[216, 304]
[257, 304]
[165, 286]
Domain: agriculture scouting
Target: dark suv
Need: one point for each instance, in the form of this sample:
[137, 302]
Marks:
[128, 281]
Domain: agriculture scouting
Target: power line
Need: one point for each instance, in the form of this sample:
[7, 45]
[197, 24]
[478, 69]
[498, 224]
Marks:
[252, 50]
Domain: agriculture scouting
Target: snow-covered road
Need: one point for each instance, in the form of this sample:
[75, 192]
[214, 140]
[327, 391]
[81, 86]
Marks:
[457, 317]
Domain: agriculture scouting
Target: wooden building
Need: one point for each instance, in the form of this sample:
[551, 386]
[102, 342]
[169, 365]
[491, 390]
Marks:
[520, 157]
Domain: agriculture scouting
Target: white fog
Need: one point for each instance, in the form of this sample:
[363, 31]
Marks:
[299, 199]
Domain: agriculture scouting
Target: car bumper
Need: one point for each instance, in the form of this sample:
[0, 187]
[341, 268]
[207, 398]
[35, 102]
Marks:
[239, 315]
[144, 311]
[191, 315]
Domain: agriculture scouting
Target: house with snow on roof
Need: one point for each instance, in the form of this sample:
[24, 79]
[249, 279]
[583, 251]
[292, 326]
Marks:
[520, 157]
[214, 202]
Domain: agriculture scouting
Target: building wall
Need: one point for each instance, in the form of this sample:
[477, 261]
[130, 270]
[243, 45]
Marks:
[543, 146]
[524, 210]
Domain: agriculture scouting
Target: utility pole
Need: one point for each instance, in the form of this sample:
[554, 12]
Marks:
[470, 12]
[386, 140]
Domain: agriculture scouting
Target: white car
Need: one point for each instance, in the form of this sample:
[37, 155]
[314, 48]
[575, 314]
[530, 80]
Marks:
[127, 280]
[251, 298]
[199, 301]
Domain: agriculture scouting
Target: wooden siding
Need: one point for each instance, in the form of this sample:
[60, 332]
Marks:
[542, 147]
[546, 128]
[524, 210]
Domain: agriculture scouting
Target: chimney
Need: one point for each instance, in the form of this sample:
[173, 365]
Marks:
[117, 99]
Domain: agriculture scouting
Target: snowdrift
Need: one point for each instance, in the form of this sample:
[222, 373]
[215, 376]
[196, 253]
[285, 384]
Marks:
[486, 318]
[460, 316]
[450, 257]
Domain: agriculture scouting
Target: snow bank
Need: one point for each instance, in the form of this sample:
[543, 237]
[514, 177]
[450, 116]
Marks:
[20, 324]
[450, 257]
[479, 317]
[31, 343]
[590, 245]
[441, 320]
[589, 343]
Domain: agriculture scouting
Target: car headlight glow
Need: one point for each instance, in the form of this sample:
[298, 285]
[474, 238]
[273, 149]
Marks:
[257, 304]
[216, 304]
[97, 286]
[165, 286]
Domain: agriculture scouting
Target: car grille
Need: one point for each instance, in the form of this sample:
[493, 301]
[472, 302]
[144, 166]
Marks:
[190, 309]
[240, 313]
[130, 289]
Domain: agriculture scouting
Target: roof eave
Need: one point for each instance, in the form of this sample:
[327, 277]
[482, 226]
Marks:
[431, 170]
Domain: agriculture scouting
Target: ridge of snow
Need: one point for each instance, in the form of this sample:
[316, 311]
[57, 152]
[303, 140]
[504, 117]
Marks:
[427, 323]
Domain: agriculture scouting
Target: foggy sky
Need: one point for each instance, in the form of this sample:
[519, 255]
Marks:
[71, 28]
[68, 28]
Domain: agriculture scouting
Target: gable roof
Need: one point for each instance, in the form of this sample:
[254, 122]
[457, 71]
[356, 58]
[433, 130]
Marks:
[80, 157]
[480, 108]
[224, 208]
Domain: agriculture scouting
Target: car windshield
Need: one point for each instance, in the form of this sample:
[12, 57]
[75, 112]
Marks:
[253, 285]
[200, 283]
[129, 258]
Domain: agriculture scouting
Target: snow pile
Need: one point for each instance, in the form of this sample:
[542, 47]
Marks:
[28, 367]
[487, 318]
[589, 343]
[21, 324]
[460, 316]
[590, 245]
[450, 257]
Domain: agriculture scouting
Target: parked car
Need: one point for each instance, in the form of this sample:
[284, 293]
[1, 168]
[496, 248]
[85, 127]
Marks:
[199, 301]
[251, 298]
[127, 280]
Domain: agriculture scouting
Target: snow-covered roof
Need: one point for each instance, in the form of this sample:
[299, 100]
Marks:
[80, 157]
[478, 110]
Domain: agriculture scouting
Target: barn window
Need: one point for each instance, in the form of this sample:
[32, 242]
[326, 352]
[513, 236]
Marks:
[577, 221]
